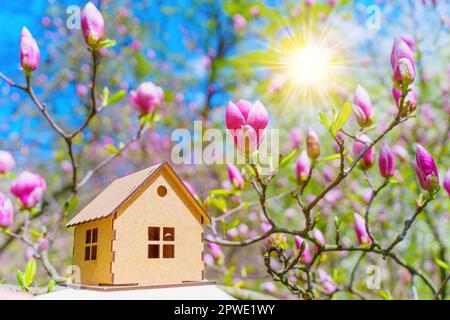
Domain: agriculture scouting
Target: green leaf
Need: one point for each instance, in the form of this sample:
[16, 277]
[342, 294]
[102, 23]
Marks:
[30, 272]
[330, 158]
[78, 139]
[35, 233]
[116, 97]
[156, 117]
[228, 280]
[342, 117]
[72, 204]
[51, 285]
[219, 203]
[385, 295]
[324, 120]
[442, 264]
[105, 96]
[286, 160]
[106, 43]
[111, 148]
[34, 211]
[250, 170]
[222, 192]
[233, 224]
[146, 119]
[21, 278]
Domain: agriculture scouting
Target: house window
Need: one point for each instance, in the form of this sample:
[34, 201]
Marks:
[90, 251]
[161, 239]
[162, 191]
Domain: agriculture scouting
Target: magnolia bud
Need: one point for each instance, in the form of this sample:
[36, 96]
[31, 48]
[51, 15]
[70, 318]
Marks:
[312, 144]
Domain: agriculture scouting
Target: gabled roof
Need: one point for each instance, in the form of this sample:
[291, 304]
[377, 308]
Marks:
[122, 189]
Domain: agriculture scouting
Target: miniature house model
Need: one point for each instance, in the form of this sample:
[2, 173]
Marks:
[144, 229]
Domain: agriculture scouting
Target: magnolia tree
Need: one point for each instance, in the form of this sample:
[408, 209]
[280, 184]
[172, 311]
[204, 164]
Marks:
[341, 211]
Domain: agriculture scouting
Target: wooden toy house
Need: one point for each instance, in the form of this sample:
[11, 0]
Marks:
[144, 229]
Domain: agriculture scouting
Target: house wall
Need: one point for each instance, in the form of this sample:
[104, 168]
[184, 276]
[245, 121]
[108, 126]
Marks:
[131, 264]
[97, 271]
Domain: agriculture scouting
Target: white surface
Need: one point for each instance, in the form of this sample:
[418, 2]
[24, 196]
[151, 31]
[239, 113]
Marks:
[206, 292]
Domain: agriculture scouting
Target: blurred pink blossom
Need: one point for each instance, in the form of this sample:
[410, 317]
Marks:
[268, 287]
[147, 97]
[239, 22]
[302, 166]
[295, 137]
[447, 182]
[29, 188]
[360, 229]
[362, 107]
[367, 160]
[7, 161]
[235, 176]
[6, 211]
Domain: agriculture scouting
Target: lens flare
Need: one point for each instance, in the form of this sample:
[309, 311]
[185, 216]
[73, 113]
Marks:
[307, 66]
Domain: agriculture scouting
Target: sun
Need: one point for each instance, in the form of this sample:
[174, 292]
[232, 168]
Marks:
[307, 66]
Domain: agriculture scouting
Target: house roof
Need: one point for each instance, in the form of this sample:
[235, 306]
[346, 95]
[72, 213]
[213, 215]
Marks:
[121, 189]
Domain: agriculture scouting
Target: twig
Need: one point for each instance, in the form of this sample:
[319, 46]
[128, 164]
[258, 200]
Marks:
[408, 224]
[441, 287]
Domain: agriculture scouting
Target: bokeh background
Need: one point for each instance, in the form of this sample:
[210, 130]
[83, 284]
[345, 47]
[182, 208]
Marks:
[203, 54]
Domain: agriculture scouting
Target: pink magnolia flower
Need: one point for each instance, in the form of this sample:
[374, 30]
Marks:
[147, 98]
[409, 41]
[306, 255]
[92, 25]
[29, 188]
[29, 51]
[410, 100]
[265, 227]
[190, 188]
[215, 249]
[327, 281]
[255, 10]
[243, 229]
[247, 123]
[447, 182]
[239, 22]
[302, 166]
[318, 235]
[312, 144]
[6, 211]
[207, 62]
[7, 161]
[66, 166]
[268, 287]
[400, 152]
[232, 232]
[402, 62]
[82, 90]
[290, 213]
[425, 168]
[295, 137]
[235, 176]
[367, 159]
[386, 161]
[43, 244]
[362, 107]
[360, 229]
